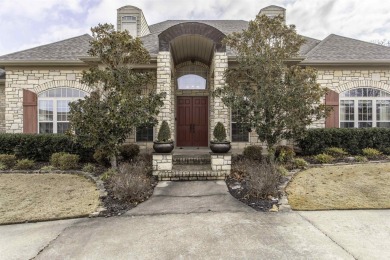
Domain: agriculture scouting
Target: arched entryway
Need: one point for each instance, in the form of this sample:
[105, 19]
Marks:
[191, 48]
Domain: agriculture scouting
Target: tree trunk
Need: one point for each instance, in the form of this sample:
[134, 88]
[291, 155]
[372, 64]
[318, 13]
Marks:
[113, 161]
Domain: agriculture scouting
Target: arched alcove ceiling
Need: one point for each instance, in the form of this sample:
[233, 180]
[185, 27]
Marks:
[191, 42]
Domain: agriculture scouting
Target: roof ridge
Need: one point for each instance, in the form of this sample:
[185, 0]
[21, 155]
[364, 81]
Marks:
[43, 45]
[319, 44]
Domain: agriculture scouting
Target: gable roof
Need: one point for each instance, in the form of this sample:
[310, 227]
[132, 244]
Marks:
[340, 49]
[66, 50]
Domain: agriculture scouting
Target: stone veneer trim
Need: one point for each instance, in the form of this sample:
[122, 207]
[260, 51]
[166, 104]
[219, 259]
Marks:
[362, 83]
[61, 83]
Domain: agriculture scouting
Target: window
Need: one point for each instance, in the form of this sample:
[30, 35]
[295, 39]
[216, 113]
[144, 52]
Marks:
[144, 134]
[364, 107]
[192, 77]
[129, 23]
[239, 131]
[53, 109]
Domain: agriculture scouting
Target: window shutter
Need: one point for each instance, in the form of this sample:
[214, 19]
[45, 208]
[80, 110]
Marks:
[332, 100]
[30, 113]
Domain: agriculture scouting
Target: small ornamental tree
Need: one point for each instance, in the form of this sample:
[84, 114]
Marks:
[273, 96]
[164, 134]
[121, 99]
[219, 132]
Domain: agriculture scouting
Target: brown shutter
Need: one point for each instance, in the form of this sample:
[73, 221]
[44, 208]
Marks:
[332, 100]
[30, 114]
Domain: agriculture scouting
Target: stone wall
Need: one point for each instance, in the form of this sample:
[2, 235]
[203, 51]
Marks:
[164, 84]
[2, 108]
[218, 111]
[342, 79]
[36, 80]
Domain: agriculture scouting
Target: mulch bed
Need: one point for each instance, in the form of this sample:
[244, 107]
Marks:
[238, 189]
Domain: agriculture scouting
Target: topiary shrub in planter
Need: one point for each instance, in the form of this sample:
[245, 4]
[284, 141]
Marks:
[220, 144]
[164, 144]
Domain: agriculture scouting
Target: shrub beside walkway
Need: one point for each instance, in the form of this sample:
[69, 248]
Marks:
[38, 197]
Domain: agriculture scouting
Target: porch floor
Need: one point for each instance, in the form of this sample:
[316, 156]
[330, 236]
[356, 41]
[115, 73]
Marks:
[191, 150]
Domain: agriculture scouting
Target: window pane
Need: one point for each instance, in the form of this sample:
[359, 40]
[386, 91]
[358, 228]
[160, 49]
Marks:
[347, 112]
[144, 134]
[45, 128]
[191, 81]
[365, 110]
[239, 133]
[62, 127]
[346, 125]
[383, 110]
[62, 110]
[383, 124]
[365, 124]
[45, 110]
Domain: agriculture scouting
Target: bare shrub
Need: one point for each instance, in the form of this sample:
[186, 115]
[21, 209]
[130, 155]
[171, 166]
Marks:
[262, 178]
[132, 183]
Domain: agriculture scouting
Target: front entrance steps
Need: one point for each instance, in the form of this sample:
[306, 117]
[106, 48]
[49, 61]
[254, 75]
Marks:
[191, 166]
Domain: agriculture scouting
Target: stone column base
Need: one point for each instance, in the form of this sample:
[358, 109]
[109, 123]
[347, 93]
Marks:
[221, 161]
[162, 162]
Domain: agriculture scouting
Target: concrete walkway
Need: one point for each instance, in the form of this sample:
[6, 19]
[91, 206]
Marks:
[189, 197]
[201, 221]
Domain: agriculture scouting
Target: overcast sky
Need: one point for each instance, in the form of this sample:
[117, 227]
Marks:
[29, 23]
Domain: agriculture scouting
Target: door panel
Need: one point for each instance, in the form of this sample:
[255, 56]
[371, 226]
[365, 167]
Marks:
[192, 121]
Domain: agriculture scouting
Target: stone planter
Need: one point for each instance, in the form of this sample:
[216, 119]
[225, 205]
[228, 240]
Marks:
[220, 147]
[163, 147]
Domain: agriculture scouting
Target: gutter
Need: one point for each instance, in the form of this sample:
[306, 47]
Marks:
[95, 61]
[347, 62]
[41, 63]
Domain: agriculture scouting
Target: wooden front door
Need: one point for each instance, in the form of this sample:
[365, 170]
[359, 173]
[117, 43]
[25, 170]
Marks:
[192, 121]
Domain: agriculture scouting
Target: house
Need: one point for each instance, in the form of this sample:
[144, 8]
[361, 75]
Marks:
[189, 57]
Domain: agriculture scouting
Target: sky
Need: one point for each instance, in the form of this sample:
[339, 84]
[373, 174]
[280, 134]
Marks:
[29, 23]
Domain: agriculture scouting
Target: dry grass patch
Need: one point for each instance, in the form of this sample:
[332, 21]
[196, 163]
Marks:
[341, 187]
[35, 197]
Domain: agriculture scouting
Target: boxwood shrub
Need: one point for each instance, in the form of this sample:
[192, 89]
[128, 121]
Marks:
[352, 140]
[39, 147]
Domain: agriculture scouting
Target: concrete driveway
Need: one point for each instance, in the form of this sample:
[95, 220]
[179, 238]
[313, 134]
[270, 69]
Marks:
[203, 230]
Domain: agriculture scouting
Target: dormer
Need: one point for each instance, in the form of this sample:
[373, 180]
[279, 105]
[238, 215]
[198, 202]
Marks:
[131, 18]
[273, 11]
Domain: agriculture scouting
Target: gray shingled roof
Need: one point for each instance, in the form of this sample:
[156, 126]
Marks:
[66, 50]
[335, 48]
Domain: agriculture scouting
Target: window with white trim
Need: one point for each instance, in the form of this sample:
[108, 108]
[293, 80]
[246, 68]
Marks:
[364, 107]
[144, 134]
[53, 109]
[192, 77]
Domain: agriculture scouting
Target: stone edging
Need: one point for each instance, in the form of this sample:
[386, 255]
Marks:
[98, 182]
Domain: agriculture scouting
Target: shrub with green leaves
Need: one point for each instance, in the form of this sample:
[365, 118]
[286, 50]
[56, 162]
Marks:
[253, 152]
[371, 153]
[8, 160]
[108, 174]
[89, 167]
[102, 157]
[164, 133]
[284, 153]
[39, 147]
[64, 161]
[336, 152]
[54, 159]
[219, 132]
[359, 158]
[385, 150]
[129, 151]
[299, 163]
[323, 158]
[24, 164]
[47, 168]
[3, 167]
[352, 140]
